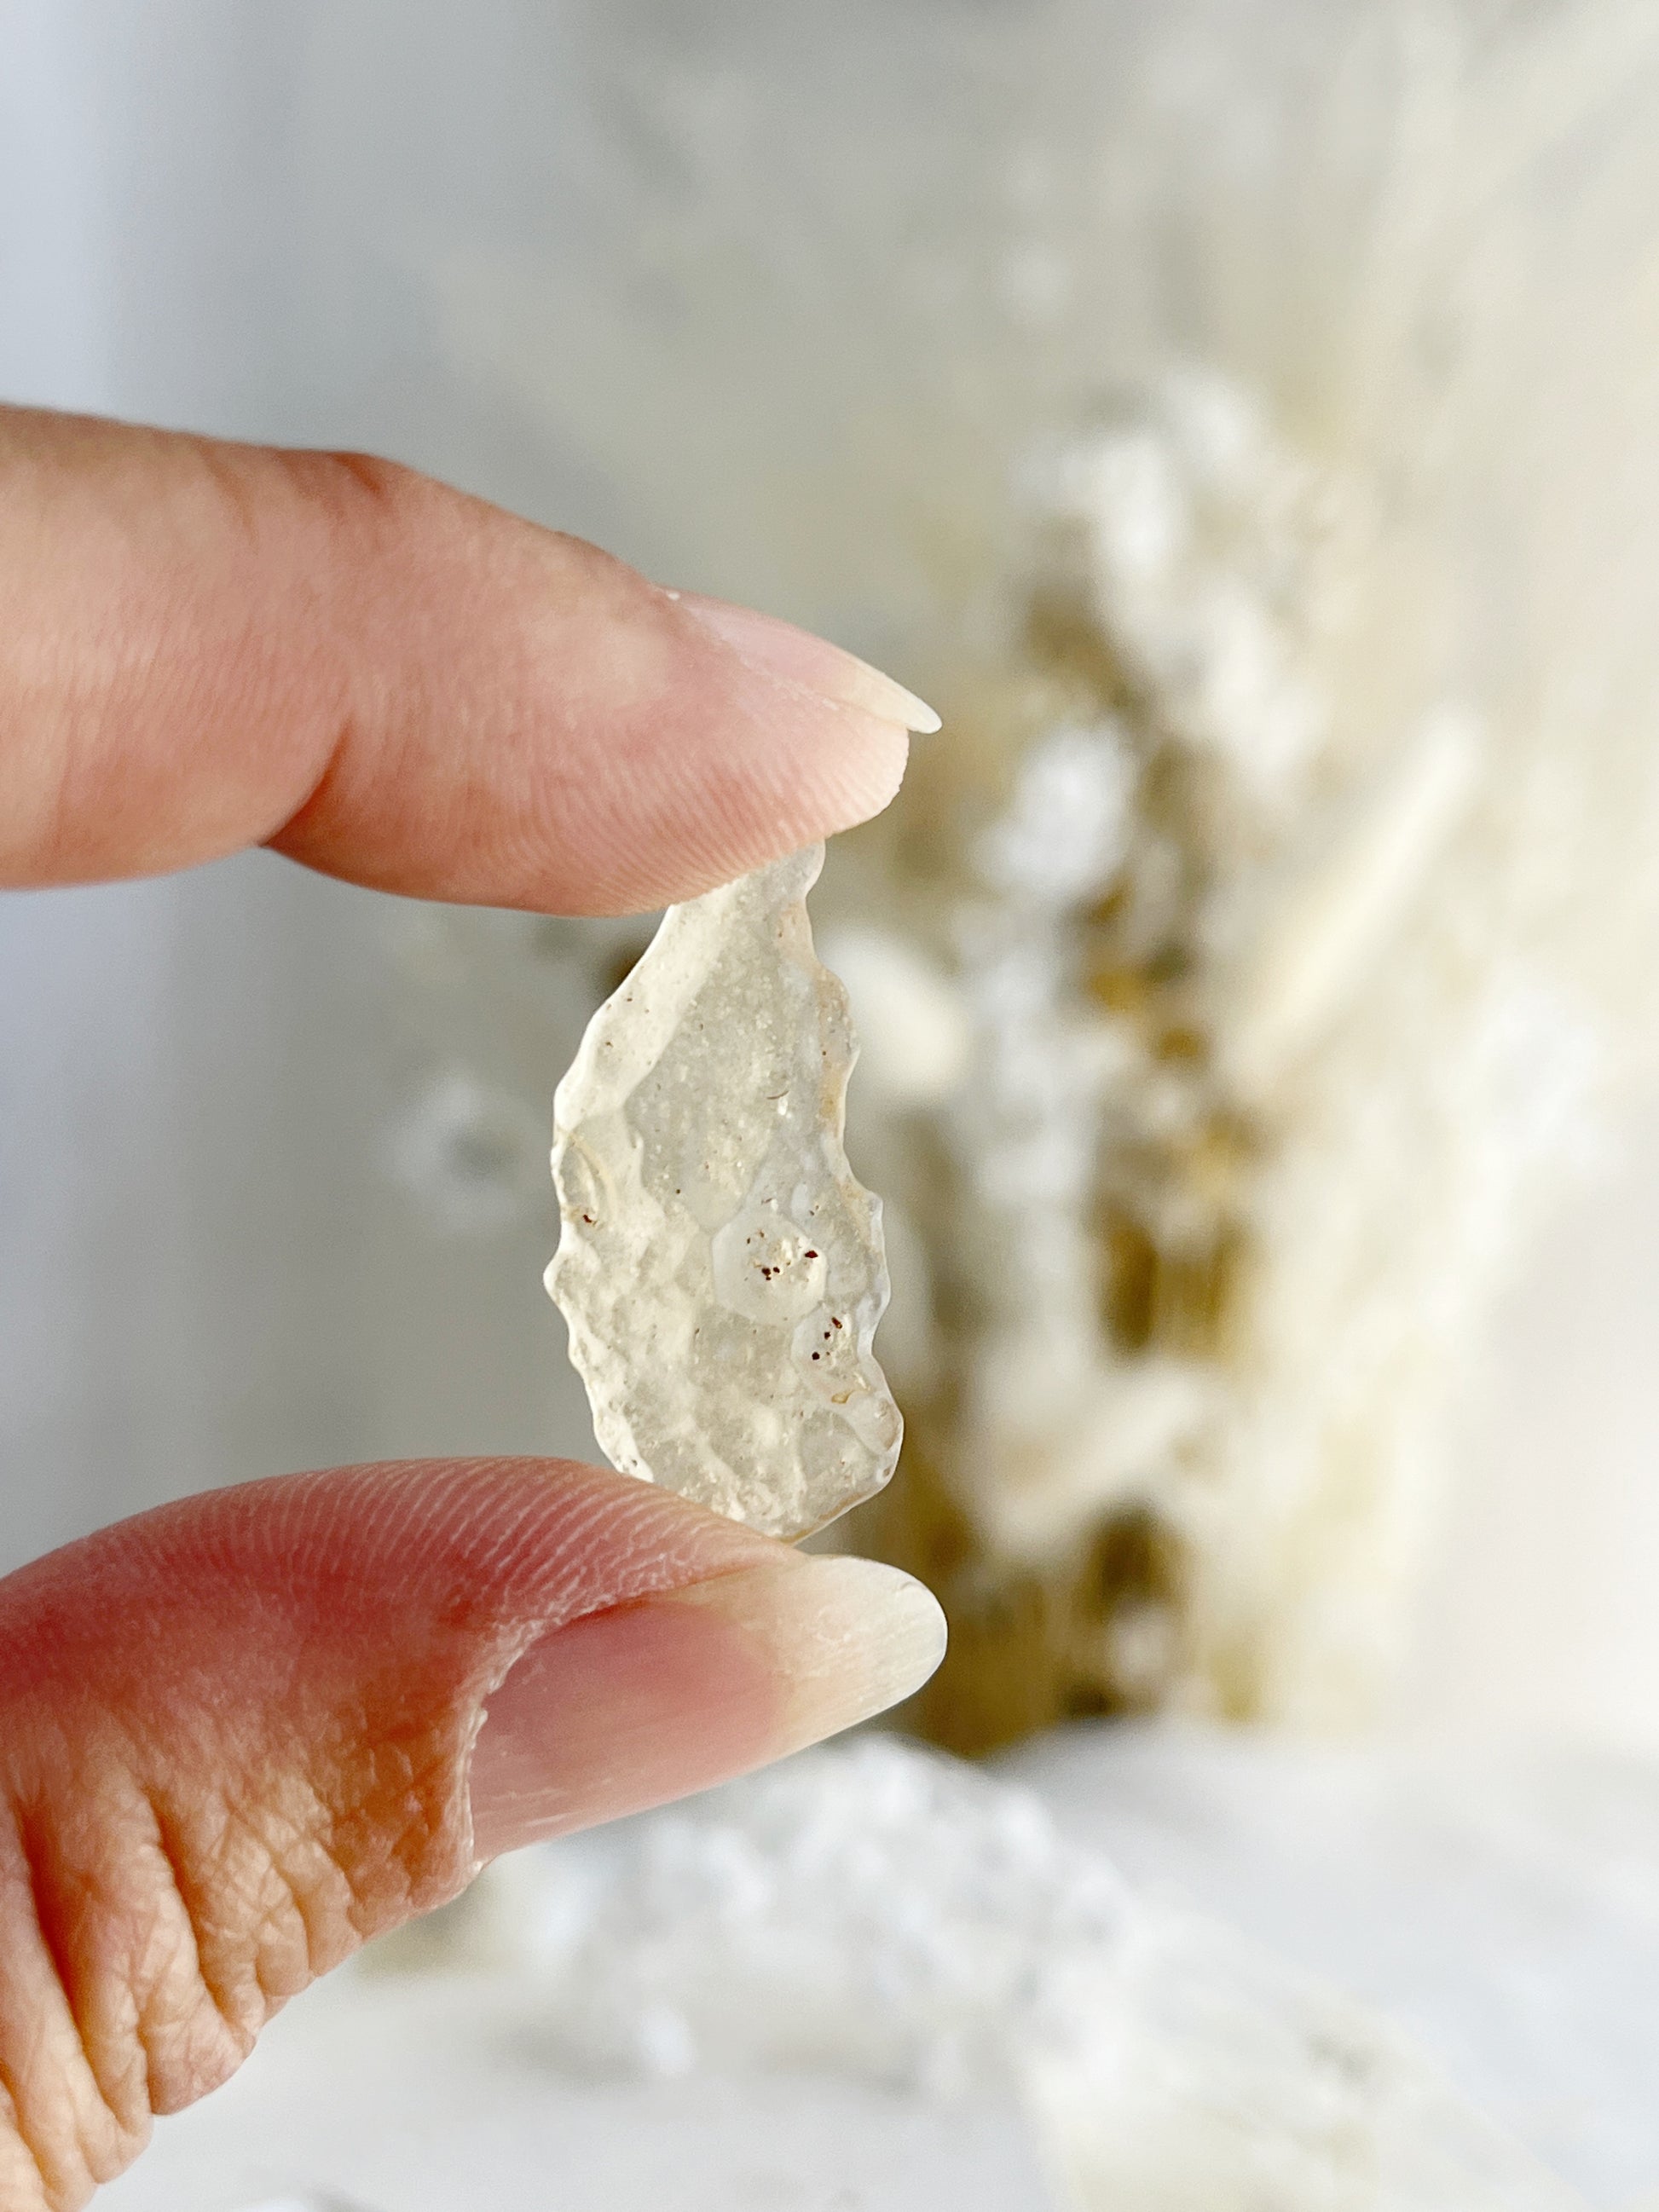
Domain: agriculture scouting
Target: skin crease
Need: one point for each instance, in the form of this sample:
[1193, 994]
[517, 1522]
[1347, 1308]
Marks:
[236, 1734]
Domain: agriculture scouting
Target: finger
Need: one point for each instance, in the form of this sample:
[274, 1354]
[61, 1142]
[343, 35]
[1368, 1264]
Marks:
[205, 646]
[241, 1735]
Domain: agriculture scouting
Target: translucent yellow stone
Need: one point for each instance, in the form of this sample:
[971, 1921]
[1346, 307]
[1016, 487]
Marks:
[721, 1271]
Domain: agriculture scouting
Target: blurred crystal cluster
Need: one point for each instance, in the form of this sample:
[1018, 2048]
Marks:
[1241, 418]
[1254, 1097]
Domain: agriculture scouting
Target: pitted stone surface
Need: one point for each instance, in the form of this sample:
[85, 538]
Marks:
[721, 1271]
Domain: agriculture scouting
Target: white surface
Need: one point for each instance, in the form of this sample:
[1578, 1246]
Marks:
[1503, 1906]
[437, 2097]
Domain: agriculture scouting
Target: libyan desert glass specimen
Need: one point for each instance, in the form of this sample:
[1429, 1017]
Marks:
[721, 1271]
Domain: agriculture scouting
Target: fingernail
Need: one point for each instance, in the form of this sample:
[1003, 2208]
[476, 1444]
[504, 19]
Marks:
[674, 1692]
[797, 656]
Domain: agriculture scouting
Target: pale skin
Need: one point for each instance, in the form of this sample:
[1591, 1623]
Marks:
[242, 1734]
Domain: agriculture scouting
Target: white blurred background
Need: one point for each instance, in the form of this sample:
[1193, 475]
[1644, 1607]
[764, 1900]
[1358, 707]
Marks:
[241, 221]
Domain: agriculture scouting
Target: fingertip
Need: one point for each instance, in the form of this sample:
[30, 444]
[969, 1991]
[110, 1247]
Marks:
[393, 682]
[772, 773]
[863, 779]
[583, 743]
[800, 656]
[691, 1687]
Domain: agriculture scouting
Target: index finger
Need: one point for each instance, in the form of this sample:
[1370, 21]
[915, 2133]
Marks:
[205, 646]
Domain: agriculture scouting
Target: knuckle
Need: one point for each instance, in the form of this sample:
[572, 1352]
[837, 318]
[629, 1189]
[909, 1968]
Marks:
[60, 2133]
[141, 1954]
[357, 494]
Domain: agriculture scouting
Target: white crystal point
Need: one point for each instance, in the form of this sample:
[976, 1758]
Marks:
[721, 1271]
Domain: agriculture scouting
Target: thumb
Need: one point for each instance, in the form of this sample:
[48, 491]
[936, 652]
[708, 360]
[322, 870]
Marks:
[241, 1735]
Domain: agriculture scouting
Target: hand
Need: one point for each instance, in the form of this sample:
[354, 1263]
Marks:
[243, 1733]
